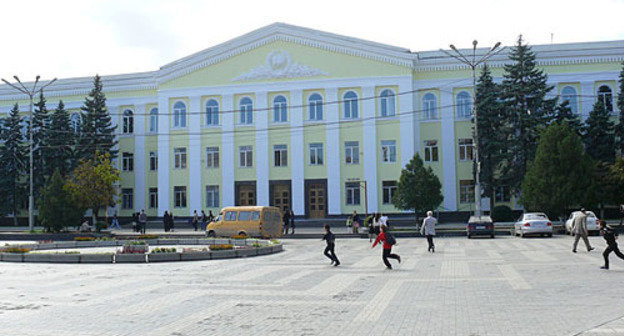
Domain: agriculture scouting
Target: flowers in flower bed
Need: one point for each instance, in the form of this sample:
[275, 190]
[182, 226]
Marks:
[275, 241]
[84, 238]
[146, 236]
[194, 250]
[135, 242]
[135, 246]
[239, 237]
[164, 250]
[15, 250]
[221, 247]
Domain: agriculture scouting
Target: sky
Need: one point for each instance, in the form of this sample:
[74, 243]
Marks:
[77, 38]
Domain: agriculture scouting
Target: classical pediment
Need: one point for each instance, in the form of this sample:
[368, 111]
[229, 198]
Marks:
[279, 64]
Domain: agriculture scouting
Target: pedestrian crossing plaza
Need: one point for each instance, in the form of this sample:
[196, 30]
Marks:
[501, 286]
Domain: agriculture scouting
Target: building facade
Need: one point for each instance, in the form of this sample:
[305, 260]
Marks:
[319, 123]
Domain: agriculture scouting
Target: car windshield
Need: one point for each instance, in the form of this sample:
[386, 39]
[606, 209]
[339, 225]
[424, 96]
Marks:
[535, 217]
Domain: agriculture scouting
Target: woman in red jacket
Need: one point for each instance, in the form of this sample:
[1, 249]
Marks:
[387, 246]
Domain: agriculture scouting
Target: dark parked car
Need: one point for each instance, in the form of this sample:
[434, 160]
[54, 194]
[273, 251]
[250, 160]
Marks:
[480, 226]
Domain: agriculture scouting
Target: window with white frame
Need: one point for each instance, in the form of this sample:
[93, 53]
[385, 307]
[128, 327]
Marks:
[128, 122]
[212, 196]
[466, 191]
[153, 198]
[465, 150]
[245, 107]
[316, 154]
[389, 189]
[350, 105]
[352, 152]
[153, 120]
[352, 193]
[179, 114]
[430, 107]
[280, 156]
[127, 162]
[127, 198]
[388, 151]
[431, 150]
[387, 103]
[153, 161]
[179, 196]
[212, 113]
[245, 156]
[568, 94]
[179, 158]
[605, 94]
[280, 109]
[75, 121]
[212, 157]
[315, 106]
[464, 105]
[502, 194]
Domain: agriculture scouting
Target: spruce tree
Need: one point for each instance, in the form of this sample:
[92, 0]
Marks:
[598, 134]
[41, 121]
[13, 157]
[419, 189]
[60, 141]
[619, 129]
[524, 91]
[97, 134]
[563, 113]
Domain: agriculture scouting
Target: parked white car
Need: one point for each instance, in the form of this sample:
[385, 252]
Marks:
[592, 222]
[533, 223]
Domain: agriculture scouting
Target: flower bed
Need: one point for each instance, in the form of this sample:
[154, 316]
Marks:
[15, 250]
[84, 238]
[146, 236]
[164, 250]
[135, 246]
[221, 247]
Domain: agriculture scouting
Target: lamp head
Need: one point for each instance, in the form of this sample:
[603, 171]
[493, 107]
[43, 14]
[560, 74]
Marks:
[474, 43]
[16, 78]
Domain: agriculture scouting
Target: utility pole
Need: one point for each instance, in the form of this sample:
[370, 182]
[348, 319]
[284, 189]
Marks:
[30, 93]
[473, 64]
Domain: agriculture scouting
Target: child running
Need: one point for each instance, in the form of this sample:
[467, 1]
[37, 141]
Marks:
[329, 250]
[388, 240]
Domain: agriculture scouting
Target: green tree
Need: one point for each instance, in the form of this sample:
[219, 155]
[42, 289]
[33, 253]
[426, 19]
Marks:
[561, 174]
[13, 158]
[563, 112]
[419, 189]
[56, 208]
[60, 142]
[524, 90]
[97, 134]
[598, 134]
[619, 130]
[41, 120]
[92, 184]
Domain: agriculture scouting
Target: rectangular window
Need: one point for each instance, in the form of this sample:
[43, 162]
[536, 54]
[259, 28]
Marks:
[127, 198]
[316, 154]
[431, 151]
[153, 161]
[280, 155]
[245, 156]
[502, 194]
[465, 150]
[352, 190]
[179, 155]
[127, 162]
[153, 198]
[212, 157]
[388, 151]
[352, 152]
[466, 191]
[179, 197]
[389, 189]
[212, 196]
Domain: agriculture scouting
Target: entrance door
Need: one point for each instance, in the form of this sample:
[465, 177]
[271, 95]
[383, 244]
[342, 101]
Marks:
[281, 196]
[317, 200]
[247, 195]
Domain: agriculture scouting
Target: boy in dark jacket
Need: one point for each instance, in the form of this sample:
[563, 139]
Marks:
[610, 236]
[330, 239]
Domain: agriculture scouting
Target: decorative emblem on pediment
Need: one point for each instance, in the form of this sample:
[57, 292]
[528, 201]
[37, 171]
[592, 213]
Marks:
[278, 64]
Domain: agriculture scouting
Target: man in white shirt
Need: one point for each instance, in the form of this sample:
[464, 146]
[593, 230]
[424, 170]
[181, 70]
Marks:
[428, 229]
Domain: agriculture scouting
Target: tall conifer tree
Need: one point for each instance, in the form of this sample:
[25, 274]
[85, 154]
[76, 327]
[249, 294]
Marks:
[60, 141]
[598, 134]
[13, 157]
[97, 134]
[41, 121]
[619, 130]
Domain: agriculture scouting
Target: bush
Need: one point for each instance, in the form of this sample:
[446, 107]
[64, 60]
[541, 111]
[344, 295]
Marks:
[15, 250]
[164, 250]
[56, 210]
[135, 242]
[502, 213]
[221, 247]
[84, 238]
[146, 236]
[239, 237]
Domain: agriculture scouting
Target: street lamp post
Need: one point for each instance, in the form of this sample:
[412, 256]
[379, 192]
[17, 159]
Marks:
[30, 93]
[473, 64]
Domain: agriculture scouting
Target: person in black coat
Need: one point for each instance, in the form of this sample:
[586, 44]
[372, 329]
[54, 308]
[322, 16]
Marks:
[166, 221]
[286, 220]
[292, 222]
[329, 252]
[610, 236]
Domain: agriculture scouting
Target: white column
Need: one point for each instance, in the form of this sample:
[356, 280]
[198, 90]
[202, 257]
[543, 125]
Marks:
[587, 99]
[227, 151]
[261, 120]
[370, 147]
[332, 115]
[139, 157]
[405, 108]
[115, 118]
[163, 155]
[297, 157]
[449, 179]
[195, 168]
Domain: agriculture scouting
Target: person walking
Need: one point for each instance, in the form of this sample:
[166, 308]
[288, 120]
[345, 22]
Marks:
[329, 252]
[210, 216]
[388, 241]
[166, 221]
[204, 220]
[171, 221]
[195, 220]
[355, 219]
[115, 223]
[368, 222]
[579, 228]
[286, 220]
[292, 222]
[428, 229]
[377, 224]
[143, 221]
[384, 220]
[610, 236]
[135, 222]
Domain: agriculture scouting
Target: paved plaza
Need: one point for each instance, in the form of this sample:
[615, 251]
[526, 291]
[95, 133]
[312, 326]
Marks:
[505, 286]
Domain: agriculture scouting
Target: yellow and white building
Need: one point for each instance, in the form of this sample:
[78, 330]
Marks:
[296, 117]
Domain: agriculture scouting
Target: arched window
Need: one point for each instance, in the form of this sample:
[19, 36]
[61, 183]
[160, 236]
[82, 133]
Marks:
[606, 96]
[430, 106]
[464, 104]
[387, 103]
[212, 113]
[128, 122]
[568, 94]
[246, 108]
[350, 100]
[74, 122]
[280, 109]
[315, 105]
[179, 114]
[153, 120]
